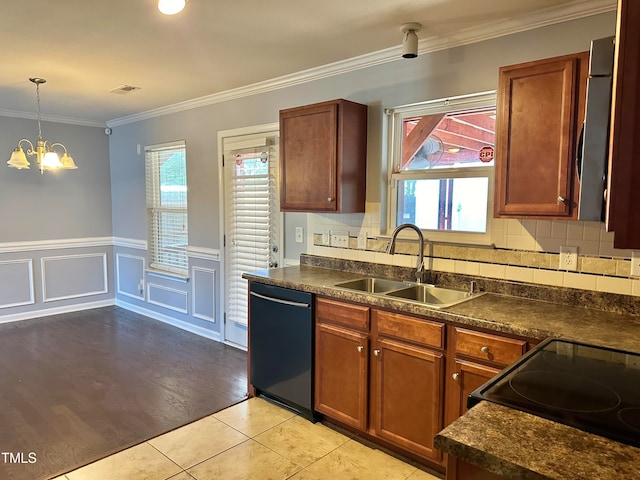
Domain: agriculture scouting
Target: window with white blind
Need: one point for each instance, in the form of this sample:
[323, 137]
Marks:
[166, 178]
[252, 212]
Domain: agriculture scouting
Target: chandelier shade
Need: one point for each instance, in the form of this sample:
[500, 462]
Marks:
[47, 158]
[171, 7]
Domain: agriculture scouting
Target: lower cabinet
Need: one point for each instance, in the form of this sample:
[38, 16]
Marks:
[399, 378]
[381, 373]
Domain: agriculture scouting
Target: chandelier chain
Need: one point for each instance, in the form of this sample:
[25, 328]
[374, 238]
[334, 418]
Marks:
[38, 100]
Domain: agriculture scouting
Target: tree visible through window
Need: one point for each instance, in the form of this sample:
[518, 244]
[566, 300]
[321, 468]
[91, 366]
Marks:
[167, 207]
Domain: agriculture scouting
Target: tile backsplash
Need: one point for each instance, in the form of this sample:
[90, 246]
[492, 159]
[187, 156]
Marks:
[522, 250]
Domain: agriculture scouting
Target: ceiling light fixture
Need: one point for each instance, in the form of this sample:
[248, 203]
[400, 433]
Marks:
[46, 157]
[410, 39]
[171, 7]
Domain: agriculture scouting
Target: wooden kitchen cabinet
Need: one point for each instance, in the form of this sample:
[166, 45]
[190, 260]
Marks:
[475, 358]
[381, 373]
[408, 386]
[624, 169]
[539, 115]
[341, 362]
[323, 149]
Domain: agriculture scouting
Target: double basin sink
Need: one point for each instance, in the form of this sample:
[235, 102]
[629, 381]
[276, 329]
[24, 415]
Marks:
[424, 294]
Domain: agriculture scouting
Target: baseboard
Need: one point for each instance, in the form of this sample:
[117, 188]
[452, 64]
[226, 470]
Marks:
[45, 312]
[169, 320]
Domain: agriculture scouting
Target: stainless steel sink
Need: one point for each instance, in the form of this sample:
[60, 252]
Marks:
[432, 296]
[372, 285]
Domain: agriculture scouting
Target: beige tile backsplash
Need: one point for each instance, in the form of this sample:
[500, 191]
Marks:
[523, 250]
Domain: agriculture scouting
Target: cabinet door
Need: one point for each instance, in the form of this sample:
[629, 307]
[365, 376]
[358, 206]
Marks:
[539, 107]
[624, 169]
[341, 374]
[466, 377]
[409, 396]
[308, 154]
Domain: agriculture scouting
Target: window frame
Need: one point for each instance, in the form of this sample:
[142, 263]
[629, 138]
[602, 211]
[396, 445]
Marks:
[395, 119]
[152, 181]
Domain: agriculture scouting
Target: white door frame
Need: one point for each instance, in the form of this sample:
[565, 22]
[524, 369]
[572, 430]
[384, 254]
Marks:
[222, 134]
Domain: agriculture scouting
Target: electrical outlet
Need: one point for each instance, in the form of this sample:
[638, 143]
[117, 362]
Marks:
[568, 258]
[141, 287]
[299, 234]
[340, 239]
[632, 361]
[362, 241]
[635, 264]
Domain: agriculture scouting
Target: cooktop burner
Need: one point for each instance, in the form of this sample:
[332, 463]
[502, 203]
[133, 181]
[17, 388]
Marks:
[592, 388]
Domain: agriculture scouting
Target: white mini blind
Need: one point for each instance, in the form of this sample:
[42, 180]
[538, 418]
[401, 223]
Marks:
[166, 179]
[251, 206]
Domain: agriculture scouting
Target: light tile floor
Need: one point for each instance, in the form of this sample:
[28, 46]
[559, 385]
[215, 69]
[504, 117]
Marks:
[253, 440]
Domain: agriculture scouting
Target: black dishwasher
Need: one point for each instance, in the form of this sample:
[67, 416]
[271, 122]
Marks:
[281, 345]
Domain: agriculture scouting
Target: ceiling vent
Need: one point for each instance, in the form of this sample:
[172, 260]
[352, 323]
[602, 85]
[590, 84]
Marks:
[124, 89]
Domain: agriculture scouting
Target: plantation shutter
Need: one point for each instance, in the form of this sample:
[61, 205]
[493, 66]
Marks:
[166, 181]
[251, 207]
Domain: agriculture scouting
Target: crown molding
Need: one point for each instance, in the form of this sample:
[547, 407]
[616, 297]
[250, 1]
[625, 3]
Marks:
[546, 17]
[52, 118]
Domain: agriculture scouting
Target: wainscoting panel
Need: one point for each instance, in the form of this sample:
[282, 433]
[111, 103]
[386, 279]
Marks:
[16, 278]
[129, 274]
[167, 297]
[74, 276]
[203, 296]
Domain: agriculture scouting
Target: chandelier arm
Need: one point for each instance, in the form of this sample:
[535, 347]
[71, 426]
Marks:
[57, 144]
[31, 150]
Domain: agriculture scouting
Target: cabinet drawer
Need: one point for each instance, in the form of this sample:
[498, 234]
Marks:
[410, 328]
[484, 346]
[342, 313]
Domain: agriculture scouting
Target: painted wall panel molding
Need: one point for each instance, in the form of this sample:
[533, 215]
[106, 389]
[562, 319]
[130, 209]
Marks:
[16, 278]
[203, 293]
[203, 253]
[129, 243]
[72, 276]
[129, 273]
[13, 247]
[176, 300]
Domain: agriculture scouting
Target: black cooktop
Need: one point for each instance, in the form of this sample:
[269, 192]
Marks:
[595, 389]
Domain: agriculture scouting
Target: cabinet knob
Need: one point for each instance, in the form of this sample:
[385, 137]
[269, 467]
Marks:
[561, 199]
[360, 348]
[484, 349]
[376, 352]
[455, 376]
[329, 199]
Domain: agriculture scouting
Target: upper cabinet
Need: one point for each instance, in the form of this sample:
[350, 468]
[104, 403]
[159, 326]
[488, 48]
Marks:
[539, 114]
[624, 160]
[323, 149]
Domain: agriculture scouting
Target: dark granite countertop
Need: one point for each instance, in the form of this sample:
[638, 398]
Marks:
[499, 439]
[519, 445]
[523, 317]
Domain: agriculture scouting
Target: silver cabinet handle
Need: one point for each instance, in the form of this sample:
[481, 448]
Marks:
[360, 348]
[455, 376]
[376, 352]
[484, 349]
[561, 199]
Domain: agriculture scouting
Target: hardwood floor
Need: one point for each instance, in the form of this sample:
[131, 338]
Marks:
[80, 386]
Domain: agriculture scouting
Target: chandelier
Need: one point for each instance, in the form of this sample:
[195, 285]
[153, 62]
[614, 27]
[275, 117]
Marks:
[46, 156]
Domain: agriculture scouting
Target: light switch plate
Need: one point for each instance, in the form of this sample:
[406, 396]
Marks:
[326, 238]
[635, 264]
[568, 258]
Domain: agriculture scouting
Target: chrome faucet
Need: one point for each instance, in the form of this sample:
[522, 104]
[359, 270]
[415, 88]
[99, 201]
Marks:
[391, 248]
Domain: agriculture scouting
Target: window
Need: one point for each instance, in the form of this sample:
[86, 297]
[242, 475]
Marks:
[441, 172]
[167, 207]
